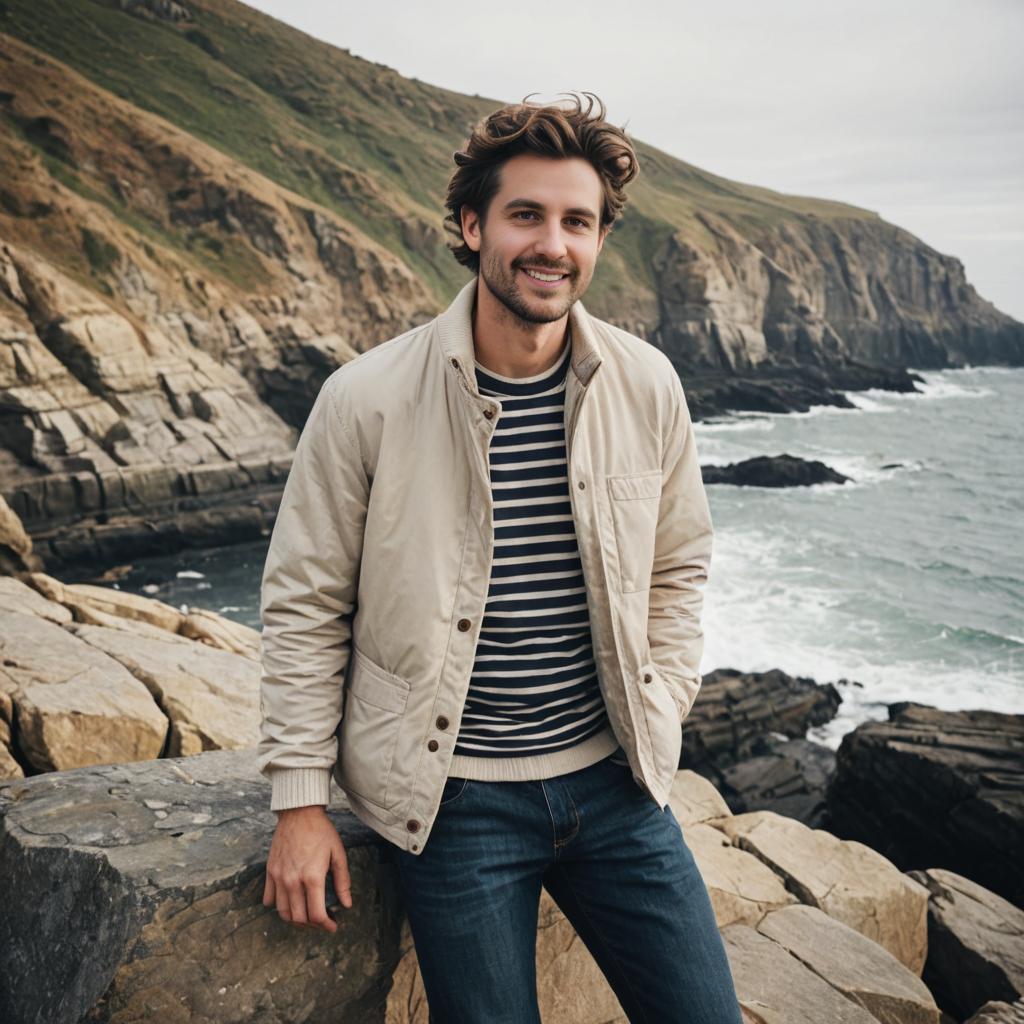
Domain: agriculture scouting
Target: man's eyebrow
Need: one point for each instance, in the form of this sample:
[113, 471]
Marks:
[532, 204]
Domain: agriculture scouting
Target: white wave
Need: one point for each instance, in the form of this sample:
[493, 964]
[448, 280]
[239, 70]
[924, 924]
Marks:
[190, 574]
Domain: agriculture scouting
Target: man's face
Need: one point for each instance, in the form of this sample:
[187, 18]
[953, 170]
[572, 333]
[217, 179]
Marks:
[544, 218]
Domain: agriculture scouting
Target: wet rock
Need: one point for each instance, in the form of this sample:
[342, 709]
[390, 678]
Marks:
[931, 788]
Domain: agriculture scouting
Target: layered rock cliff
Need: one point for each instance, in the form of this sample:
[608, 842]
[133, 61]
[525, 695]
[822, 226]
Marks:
[203, 212]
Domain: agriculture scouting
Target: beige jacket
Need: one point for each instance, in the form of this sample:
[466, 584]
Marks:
[379, 566]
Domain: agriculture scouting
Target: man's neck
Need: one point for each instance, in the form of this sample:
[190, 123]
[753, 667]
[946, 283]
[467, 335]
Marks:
[510, 346]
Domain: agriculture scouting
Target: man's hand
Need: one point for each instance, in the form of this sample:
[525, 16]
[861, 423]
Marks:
[304, 847]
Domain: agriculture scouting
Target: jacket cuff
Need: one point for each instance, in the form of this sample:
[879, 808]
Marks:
[299, 787]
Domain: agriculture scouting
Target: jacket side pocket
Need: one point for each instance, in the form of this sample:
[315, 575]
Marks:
[368, 734]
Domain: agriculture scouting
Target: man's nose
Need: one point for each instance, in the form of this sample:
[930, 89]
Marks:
[551, 243]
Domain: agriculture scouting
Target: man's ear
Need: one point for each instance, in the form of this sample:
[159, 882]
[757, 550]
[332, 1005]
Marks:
[602, 235]
[470, 228]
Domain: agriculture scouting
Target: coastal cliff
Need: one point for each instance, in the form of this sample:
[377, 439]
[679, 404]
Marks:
[203, 212]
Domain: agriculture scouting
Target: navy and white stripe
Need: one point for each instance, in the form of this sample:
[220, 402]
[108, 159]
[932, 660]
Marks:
[534, 688]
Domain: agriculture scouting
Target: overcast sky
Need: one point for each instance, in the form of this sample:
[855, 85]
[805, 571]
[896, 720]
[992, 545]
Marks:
[911, 108]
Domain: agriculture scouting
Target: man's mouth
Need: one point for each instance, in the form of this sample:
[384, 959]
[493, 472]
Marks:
[545, 278]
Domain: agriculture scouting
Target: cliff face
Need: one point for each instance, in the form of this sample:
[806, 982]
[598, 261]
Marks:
[203, 212]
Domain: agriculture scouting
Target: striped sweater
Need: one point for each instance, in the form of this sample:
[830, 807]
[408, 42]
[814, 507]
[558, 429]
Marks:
[534, 708]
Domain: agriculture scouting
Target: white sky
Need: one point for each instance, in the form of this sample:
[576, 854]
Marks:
[911, 108]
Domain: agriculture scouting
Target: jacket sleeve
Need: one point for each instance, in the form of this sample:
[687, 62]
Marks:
[306, 604]
[682, 557]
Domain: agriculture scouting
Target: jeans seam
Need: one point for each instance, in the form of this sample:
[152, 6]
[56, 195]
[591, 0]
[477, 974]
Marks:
[601, 939]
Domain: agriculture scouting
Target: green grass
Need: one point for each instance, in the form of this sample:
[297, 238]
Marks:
[307, 114]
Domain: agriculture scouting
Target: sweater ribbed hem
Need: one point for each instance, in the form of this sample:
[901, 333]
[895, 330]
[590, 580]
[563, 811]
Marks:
[536, 766]
[299, 787]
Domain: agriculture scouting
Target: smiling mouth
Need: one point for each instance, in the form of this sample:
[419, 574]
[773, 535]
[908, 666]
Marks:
[544, 277]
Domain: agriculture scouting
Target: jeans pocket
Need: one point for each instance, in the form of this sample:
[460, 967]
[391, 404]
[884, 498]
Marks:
[454, 787]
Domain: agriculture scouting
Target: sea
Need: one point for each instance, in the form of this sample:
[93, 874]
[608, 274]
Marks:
[905, 583]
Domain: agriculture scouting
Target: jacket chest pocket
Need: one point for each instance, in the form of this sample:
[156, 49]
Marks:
[368, 732]
[635, 498]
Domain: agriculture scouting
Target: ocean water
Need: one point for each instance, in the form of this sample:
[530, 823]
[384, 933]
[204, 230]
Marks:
[908, 580]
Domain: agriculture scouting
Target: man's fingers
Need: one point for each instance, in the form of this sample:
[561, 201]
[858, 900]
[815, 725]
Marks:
[316, 906]
[340, 875]
[297, 904]
[269, 896]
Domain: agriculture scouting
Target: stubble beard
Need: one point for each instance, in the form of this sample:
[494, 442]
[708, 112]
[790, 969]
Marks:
[505, 288]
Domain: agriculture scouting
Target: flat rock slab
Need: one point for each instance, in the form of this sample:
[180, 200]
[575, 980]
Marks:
[775, 988]
[847, 880]
[975, 943]
[75, 705]
[742, 887]
[140, 891]
[210, 695]
[860, 969]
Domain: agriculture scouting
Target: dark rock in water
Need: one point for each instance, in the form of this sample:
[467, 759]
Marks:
[773, 471]
[932, 788]
[782, 389]
[735, 710]
[975, 945]
[140, 890]
[786, 776]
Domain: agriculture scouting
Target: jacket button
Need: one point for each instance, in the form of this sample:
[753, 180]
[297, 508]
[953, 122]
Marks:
[413, 825]
[648, 677]
[489, 414]
[455, 361]
[432, 745]
[442, 722]
[464, 624]
[581, 485]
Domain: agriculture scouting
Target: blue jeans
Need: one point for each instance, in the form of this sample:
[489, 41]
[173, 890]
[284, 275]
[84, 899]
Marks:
[616, 865]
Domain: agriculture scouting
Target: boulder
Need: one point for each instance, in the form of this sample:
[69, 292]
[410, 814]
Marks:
[74, 705]
[211, 696]
[140, 891]
[863, 971]
[773, 471]
[975, 943]
[776, 988]
[787, 776]
[847, 880]
[931, 788]
[735, 710]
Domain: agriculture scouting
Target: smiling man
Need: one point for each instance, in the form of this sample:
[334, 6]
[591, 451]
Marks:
[482, 608]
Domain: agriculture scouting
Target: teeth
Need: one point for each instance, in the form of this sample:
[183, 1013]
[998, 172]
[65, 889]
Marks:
[543, 277]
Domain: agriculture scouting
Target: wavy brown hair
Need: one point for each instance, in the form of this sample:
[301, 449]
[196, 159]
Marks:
[549, 130]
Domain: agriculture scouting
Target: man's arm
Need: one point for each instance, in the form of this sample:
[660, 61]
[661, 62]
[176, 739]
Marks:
[307, 599]
[682, 556]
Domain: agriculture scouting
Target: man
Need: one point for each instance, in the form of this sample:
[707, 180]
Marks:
[481, 608]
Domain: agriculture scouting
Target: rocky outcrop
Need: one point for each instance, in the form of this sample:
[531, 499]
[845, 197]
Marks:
[788, 776]
[735, 710]
[937, 788]
[975, 943]
[158, 912]
[773, 471]
[174, 290]
[91, 675]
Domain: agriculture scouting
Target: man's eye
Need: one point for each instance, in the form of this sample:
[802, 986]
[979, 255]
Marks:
[524, 213]
[581, 223]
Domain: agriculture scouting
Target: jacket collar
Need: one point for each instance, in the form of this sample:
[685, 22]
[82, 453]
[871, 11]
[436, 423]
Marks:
[455, 336]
